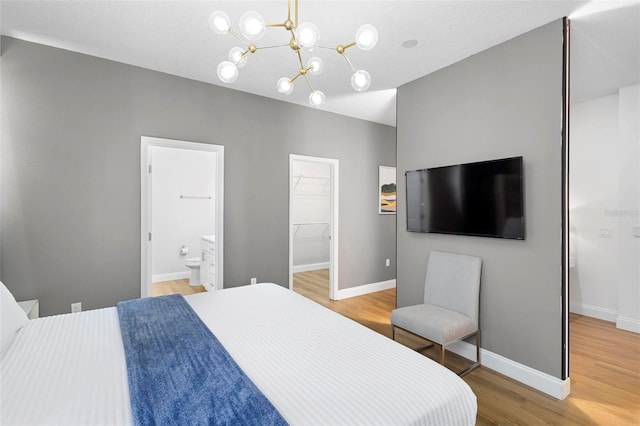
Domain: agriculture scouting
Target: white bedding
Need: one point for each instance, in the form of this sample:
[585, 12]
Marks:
[315, 366]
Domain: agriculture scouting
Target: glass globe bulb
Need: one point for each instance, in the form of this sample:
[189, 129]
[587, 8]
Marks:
[219, 22]
[284, 86]
[235, 56]
[307, 35]
[366, 37]
[227, 72]
[317, 99]
[315, 66]
[252, 25]
[360, 80]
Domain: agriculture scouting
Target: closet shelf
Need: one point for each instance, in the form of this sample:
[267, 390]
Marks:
[197, 197]
[323, 234]
[312, 180]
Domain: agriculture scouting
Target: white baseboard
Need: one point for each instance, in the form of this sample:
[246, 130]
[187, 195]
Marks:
[170, 277]
[593, 311]
[623, 323]
[629, 324]
[310, 267]
[543, 382]
[364, 289]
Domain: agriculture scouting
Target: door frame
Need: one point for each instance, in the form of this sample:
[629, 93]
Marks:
[334, 166]
[146, 142]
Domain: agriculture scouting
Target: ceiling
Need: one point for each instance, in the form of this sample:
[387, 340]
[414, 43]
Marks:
[174, 37]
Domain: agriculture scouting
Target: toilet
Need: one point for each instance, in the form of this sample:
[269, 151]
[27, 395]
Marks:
[193, 263]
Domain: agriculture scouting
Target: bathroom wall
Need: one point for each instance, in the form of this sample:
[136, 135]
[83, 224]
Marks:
[604, 165]
[311, 205]
[604, 188]
[594, 175]
[179, 221]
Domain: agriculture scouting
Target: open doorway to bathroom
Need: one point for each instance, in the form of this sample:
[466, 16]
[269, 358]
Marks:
[313, 226]
[181, 217]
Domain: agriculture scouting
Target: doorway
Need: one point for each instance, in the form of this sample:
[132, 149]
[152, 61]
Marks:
[313, 223]
[604, 254]
[182, 199]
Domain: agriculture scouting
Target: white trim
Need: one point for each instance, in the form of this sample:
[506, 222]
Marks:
[172, 276]
[629, 324]
[334, 165]
[365, 289]
[543, 382]
[594, 311]
[145, 204]
[311, 267]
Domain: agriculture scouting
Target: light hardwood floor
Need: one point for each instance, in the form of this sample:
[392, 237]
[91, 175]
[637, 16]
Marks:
[605, 367]
[175, 287]
[605, 364]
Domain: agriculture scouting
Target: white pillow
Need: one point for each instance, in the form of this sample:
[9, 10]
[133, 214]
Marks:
[12, 317]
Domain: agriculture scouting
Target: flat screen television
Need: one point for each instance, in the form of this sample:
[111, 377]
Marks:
[483, 199]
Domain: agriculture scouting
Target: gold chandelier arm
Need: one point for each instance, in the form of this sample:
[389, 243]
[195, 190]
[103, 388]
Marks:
[346, 46]
[353, 69]
[272, 47]
[294, 78]
[296, 14]
[306, 77]
[237, 36]
[300, 59]
[289, 9]
[274, 25]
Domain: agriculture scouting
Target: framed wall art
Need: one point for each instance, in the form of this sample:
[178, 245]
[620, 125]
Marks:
[387, 190]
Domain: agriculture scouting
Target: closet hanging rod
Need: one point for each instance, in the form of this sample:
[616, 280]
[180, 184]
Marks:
[196, 197]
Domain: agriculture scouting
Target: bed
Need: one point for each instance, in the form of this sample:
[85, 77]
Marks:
[314, 365]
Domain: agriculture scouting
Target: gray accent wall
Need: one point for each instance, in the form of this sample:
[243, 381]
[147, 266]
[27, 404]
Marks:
[70, 183]
[503, 102]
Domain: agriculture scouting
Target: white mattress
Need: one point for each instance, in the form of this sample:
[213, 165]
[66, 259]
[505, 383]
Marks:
[315, 366]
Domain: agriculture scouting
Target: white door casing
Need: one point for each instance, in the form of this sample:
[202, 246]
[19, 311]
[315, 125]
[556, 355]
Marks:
[145, 202]
[334, 216]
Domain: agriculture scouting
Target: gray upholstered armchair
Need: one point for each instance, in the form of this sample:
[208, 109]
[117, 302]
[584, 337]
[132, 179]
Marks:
[451, 303]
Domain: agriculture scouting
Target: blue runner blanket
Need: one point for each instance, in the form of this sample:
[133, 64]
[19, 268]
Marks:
[180, 374]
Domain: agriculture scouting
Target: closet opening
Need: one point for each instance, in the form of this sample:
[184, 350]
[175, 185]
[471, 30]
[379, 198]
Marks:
[313, 225]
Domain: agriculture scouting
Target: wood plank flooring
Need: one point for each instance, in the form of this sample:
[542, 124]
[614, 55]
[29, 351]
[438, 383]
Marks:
[175, 287]
[605, 364]
[605, 367]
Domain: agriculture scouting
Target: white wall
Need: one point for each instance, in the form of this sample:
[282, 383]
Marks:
[311, 203]
[0, 151]
[177, 221]
[604, 205]
[629, 215]
[594, 182]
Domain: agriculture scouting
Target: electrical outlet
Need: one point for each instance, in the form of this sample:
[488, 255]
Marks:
[387, 263]
[254, 281]
[76, 307]
[606, 233]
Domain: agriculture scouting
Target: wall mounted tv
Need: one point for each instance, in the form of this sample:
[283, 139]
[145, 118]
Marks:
[483, 199]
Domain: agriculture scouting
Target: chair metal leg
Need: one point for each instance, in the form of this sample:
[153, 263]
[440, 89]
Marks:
[442, 351]
[393, 332]
[422, 348]
[475, 364]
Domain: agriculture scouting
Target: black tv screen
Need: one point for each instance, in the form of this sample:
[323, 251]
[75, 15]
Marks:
[481, 199]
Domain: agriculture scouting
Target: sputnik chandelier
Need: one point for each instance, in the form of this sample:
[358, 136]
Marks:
[304, 38]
